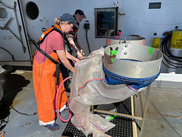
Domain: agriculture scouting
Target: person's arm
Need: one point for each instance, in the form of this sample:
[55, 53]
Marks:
[72, 43]
[70, 36]
[78, 45]
[69, 56]
[62, 56]
[58, 45]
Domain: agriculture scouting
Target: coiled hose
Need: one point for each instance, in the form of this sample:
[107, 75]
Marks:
[170, 60]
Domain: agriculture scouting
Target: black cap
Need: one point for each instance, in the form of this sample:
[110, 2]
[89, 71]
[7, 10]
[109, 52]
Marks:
[80, 12]
[69, 18]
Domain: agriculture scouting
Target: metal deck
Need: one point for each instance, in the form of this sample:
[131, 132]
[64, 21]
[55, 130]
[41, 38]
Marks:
[163, 115]
[123, 126]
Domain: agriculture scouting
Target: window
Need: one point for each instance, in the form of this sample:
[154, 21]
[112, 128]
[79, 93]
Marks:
[106, 21]
[3, 13]
[155, 5]
[32, 10]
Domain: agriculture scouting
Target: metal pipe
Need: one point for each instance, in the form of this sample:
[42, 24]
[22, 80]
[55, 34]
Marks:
[7, 28]
[5, 5]
[133, 114]
[118, 114]
[19, 28]
[145, 106]
[141, 105]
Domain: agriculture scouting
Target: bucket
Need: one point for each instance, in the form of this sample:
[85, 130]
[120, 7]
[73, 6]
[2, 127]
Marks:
[156, 43]
[176, 40]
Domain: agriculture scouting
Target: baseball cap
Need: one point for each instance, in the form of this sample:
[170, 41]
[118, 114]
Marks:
[80, 12]
[69, 18]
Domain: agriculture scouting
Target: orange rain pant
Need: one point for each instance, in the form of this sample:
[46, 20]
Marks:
[44, 80]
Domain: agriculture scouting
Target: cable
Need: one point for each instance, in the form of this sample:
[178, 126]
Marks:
[87, 27]
[170, 60]
[87, 41]
[23, 113]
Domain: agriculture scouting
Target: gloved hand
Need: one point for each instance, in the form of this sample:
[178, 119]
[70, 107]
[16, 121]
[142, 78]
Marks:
[83, 54]
[80, 56]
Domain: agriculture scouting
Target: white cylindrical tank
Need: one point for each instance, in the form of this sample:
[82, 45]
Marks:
[131, 39]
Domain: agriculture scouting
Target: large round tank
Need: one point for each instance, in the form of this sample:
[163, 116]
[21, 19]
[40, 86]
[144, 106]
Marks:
[132, 60]
[131, 39]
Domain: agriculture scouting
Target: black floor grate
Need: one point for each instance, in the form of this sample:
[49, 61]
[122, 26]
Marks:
[123, 126]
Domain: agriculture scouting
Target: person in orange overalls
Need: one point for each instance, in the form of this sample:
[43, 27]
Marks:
[46, 73]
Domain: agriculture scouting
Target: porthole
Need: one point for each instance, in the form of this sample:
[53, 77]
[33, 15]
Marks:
[3, 13]
[32, 10]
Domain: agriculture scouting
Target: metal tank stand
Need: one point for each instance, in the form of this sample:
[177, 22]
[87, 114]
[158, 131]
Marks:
[131, 116]
[126, 122]
[123, 126]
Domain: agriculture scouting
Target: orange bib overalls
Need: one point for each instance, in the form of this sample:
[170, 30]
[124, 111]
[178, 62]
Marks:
[44, 80]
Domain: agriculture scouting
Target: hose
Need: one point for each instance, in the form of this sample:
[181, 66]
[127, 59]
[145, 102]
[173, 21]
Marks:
[171, 60]
[57, 103]
[88, 41]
